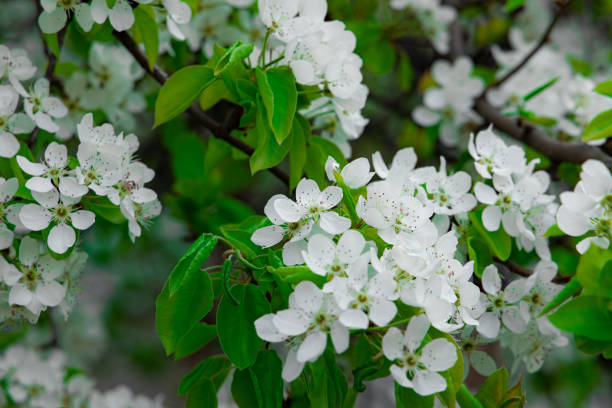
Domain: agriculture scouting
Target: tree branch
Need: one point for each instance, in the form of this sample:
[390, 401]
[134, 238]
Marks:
[220, 131]
[529, 134]
[562, 4]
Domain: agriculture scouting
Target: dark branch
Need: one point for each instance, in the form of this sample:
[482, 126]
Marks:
[526, 272]
[562, 4]
[529, 134]
[220, 131]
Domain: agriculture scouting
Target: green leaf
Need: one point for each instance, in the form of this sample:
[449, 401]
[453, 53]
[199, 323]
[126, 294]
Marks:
[480, 253]
[569, 290]
[216, 151]
[180, 90]
[493, 389]
[604, 88]
[214, 93]
[214, 369]
[234, 55]
[297, 274]
[261, 385]
[200, 335]
[583, 316]
[330, 149]
[239, 235]
[407, 398]
[554, 231]
[466, 399]
[512, 5]
[203, 395]
[235, 324]
[589, 268]
[605, 280]
[187, 295]
[145, 24]
[102, 207]
[297, 154]
[268, 153]
[326, 385]
[52, 43]
[540, 89]
[600, 127]
[454, 375]
[405, 72]
[279, 94]
[347, 199]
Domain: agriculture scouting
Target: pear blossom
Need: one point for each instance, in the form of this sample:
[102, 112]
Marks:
[450, 195]
[179, 13]
[33, 281]
[120, 15]
[326, 258]
[416, 365]
[55, 14]
[500, 305]
[16, 66]
[139, 214]
[588, 209]
[534, 345]
[60, 212]
[287, 20]
[355, 174]
[131, 189]
[538, 289]
[52, 173]
[42, 108]
[311, 315]
[11, 122]
[480, 360]
[492, 156]
[8, 188]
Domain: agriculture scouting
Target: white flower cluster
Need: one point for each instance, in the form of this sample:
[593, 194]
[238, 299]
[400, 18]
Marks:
[320, 53]
[433, 17]
[121, 16]
[393, 252]
[450, 103]
[517, 198]
[32, 379]
[569, 104]
[588, 209]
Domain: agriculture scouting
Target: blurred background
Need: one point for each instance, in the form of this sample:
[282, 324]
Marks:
[111, 332]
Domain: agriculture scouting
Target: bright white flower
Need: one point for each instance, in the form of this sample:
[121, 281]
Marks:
[8, 188]
[344, 76]
[355, 174]
[416, 366]
[294, 219]
[500, 304]
[59, 211]
[398, 218]
[131, 189]
[492, 156]
[326, 258]
[139, 214]
[450, 104]
[179, 13]
[538, 289]
[52, 173]
[99, 169]
[41, 107]
[11, 122]
[120, 15]
[311, 315]
[34, 281]
[15, 65]
[449, 195]
[55, 14]
[588, 209]
[290, 19]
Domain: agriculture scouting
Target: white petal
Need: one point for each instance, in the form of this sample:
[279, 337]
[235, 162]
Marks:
[427, 382]
[382, 311]
[399, 375]
[28, 251]
[56, 155]
[287, 210]
[121, 16]
[333, 223]
[306, 192]
[83, 14]
[34, 217]
[9, 145]
[33, 169]
[491, 282]
[52, 22]
[485, 193]
[439, 355]
[340, 337]
[393, 344]
[357, 173]
[354, 319]
[488, 325]
[48, 200]
[417, 328]
[350, 246]
[491, 217]
[312, 346]
[69, 187]
[292, 368]
[40, 184]
[61, 238]
[307, 296]
[99, 11]
[54, 107]
[513, 320]
[321, 250]
[291, 322]
[19, 295]
[330, 197]
[82, 219]
[268, 236]
[51, 293]
[267, 330]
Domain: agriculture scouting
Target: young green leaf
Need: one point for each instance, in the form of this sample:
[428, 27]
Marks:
[297, 154]
[268, 153]
[600, 127]
[583, 316]
[492, 391]
[512, 5]
[180, 90]
[235, 324]
[604, 88]
[540, 89]
[147, 28]
[261, 385]
[200, 335]
[407, 398]
[102, 207]
[569, 290]
[235, 54]
[214, 369]
[466, 399]
[187, 295]
[279, 95]
[297, 274]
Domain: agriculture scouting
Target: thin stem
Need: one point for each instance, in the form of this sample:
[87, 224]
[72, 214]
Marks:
[543, 40]
[262, 56]
[239, 255]
[398, 323]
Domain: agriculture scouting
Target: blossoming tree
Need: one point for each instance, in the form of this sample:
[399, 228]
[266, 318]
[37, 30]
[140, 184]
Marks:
[410, 264]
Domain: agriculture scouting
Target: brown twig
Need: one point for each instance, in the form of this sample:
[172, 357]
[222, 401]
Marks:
[532, 136]
[526, 272]
[220, 131]
[562, 4]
